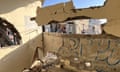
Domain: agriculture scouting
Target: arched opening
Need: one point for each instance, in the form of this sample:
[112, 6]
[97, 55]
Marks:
[8, 34]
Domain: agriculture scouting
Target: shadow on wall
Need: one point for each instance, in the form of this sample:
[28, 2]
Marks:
[7, 5]
[21, 57]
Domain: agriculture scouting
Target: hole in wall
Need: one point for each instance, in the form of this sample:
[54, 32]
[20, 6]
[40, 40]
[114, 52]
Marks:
[77, 26]
[8, 34]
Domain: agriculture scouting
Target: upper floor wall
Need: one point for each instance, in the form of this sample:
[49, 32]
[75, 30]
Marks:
[15, 12]
[62, 12]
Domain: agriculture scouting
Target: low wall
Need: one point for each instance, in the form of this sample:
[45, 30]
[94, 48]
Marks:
[101, 50]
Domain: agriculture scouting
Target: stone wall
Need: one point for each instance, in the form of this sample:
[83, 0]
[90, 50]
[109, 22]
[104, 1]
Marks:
[101, 50]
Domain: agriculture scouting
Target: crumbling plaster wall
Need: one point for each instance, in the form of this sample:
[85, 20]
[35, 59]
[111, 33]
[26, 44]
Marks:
[61, 12]
[57, 12]
[102, 51]
[110, 11]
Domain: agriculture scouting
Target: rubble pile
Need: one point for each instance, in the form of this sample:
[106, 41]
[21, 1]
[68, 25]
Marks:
[54, 63]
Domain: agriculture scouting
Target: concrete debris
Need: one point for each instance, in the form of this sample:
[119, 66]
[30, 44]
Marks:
[49, 58]
[53, 63]
[88, 64]
[36, 64]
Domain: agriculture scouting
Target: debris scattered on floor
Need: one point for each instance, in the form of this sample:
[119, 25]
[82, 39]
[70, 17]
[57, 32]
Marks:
[53, 63]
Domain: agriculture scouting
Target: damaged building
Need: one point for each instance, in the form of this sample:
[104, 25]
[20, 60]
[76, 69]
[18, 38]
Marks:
[73, 51]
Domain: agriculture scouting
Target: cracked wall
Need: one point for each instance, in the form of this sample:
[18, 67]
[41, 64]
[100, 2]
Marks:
[102, 51]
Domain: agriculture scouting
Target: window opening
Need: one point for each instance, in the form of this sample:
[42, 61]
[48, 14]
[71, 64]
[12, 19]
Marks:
[79, 26]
